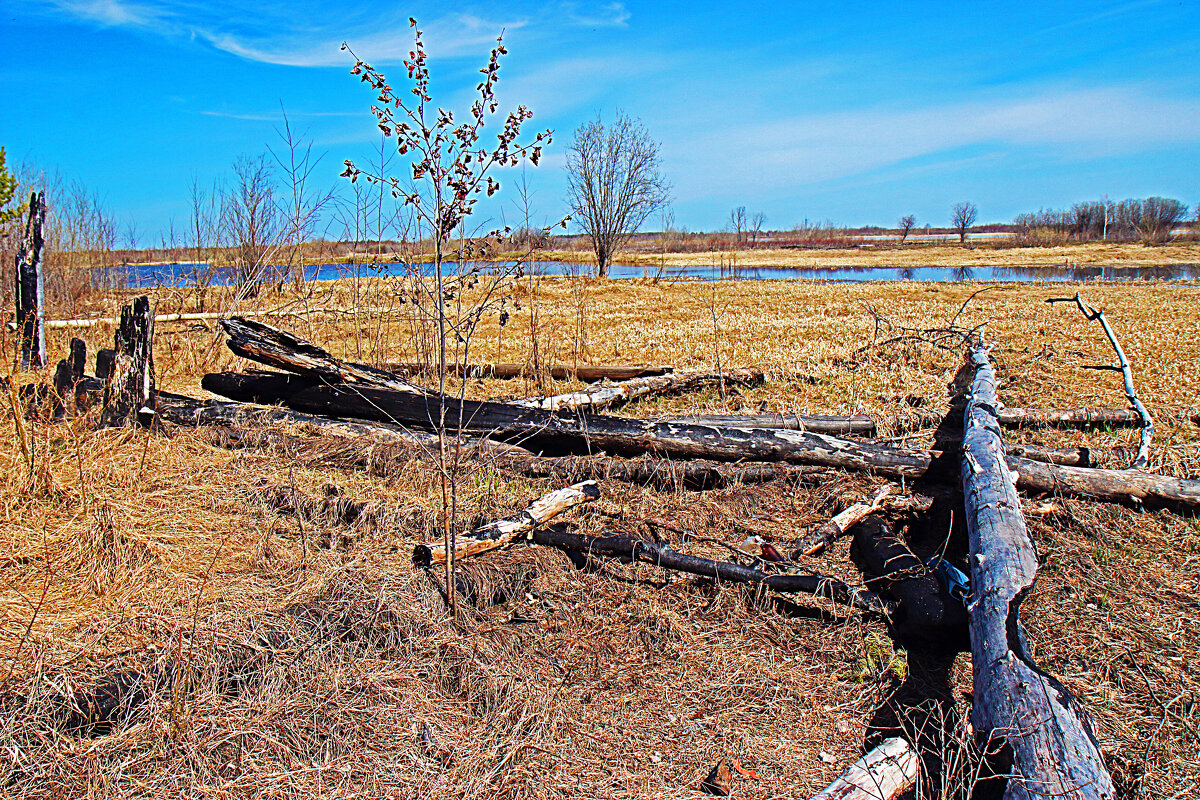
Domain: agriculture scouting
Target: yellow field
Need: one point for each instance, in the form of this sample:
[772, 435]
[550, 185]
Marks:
[317, 662]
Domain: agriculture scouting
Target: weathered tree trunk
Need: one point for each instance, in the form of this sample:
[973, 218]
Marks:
[583, 372]
[595, 398]
[794, 422]
[501, 532]
[1053, 751]
[882, 774]
[129, 390]
[29, 291]
[260, 342]
[661, 555]
[546, 431]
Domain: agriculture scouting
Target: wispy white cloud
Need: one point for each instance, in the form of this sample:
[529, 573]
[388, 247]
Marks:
[447, 37]
[278, 115]
[276, 35]
[600, 15]
[115, 13]
[1067, 124]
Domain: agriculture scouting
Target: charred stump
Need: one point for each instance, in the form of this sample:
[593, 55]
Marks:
[129, 389]
[29, 290]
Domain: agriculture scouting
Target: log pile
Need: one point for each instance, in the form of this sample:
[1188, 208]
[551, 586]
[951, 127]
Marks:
[1046, 738]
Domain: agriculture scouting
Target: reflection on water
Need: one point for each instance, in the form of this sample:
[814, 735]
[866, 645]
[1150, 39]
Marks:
[184, 274]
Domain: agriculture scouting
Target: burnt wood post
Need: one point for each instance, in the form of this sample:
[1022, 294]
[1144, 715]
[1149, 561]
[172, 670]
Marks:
[1052, 748]
[129, 388]
[30, 297]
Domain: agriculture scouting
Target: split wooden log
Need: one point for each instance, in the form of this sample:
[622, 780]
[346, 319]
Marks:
[29, 291]
[824, 535]
[1147, 422]
[662, 555]
[557, 433]
[129, 390]
[501, 532]
[585, 372]
[1053, 750]
[795, 422]
[885, 773]
[598, 397]
[260, 342]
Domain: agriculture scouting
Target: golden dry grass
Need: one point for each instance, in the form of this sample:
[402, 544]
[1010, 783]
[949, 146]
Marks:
[943, 255]
[332, 671]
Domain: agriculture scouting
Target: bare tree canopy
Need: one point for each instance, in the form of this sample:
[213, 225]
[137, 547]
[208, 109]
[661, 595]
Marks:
[964, 217]
[614, 182]
[756, 227]
[906, 224]
[251, 218]
[737, 223]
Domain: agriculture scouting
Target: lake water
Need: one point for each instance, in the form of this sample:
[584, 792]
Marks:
[183, 274]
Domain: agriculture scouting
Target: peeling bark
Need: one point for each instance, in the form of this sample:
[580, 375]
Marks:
[1053, 750]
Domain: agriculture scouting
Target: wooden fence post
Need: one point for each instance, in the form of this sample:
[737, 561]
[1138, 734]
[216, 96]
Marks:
[31, 309]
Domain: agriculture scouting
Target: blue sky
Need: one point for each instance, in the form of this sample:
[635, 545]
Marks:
[855, 113]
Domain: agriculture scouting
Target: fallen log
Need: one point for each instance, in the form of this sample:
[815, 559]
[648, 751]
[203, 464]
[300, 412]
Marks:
[1068, 418]
[129, 390]
[92, 322]
[865, 425]
[925, 608]
[661, 555]
[585, 372]
[548, 432]
[795, 422]
[824, 535]
[882, 774]
[30, 295]
[661, 473]
[260, 342]
[501, 532]
[1071, 456]
[1052, 748]
[598, 397]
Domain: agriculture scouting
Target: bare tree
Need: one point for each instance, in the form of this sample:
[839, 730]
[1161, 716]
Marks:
[756, 227]
[906, 224]
[614, 182]
[251, 218]
[737, 223]
[301, 208]
[964, 215]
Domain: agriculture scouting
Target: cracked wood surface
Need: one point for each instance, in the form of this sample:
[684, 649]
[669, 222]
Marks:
[1053, 749]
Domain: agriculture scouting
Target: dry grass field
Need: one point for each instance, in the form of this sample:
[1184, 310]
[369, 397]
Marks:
[944, 255]
[286, 657]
